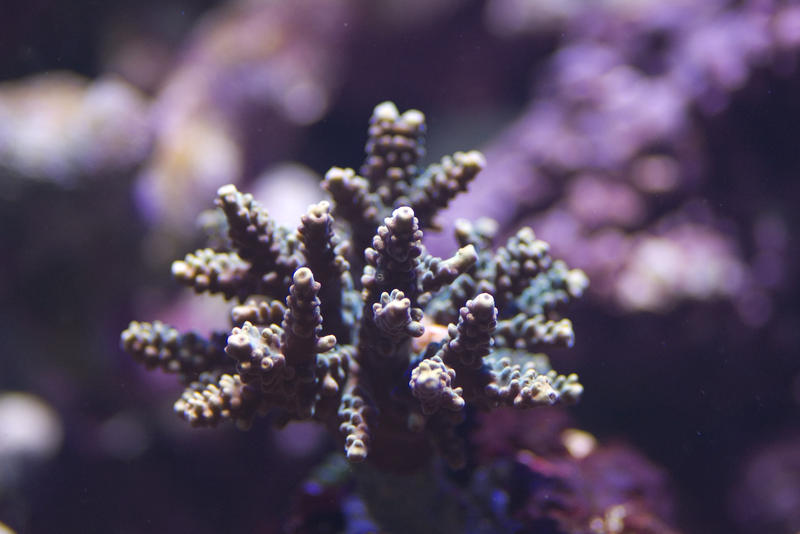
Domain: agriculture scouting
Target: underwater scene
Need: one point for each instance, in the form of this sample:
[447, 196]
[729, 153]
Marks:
[400, 266]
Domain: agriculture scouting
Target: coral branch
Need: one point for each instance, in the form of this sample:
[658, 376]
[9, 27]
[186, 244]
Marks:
[517, 382]
[207, 402]
[270, 250]
[354, 203]
[533, 333]
[353, 414]
[434, 189]
[471, 339]
[258, 312]
[249, 226]
[320, 247]
[207, 271]
[303, 323]
[160, 346]
[436, 272]
[258, 355]
[393, 257]
[430, 383]
[394, 148]
[395, 317]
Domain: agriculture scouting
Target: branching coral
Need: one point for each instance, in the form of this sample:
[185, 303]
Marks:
[310, 340]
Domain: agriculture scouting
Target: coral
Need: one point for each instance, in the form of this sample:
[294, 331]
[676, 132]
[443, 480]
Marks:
[766, 494]
[32, 433]
[62, 129]
[615, 150]
[652, 143]
[538, 470]
[312, 341]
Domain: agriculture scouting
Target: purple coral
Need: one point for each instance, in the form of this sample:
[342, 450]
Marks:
[614, 152]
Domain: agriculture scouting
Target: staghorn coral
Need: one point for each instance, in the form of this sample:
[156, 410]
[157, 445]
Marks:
[310, 340]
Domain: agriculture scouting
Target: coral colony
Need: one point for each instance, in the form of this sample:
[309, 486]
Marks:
[366, 355]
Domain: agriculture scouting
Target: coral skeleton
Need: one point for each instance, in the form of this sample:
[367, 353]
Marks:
[331, 318]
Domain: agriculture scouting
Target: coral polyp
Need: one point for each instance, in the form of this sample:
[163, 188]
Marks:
[331, 316]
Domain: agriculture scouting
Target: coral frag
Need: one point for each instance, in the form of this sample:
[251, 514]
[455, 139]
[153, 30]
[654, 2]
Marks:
[365, 354]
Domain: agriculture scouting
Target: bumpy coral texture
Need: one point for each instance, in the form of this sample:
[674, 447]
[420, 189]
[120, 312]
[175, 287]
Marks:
[366, 354]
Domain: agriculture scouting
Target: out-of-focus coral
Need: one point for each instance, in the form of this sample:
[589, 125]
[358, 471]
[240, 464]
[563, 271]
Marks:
[252, 74]
[340, 349]
[69, 151]
[766, 498]
[562, 480]
[611, 150]
[286, 190]
[509, 17]
[685, 256]
[687, 261]
[143, 44]
[30, 434]
[62, 129]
